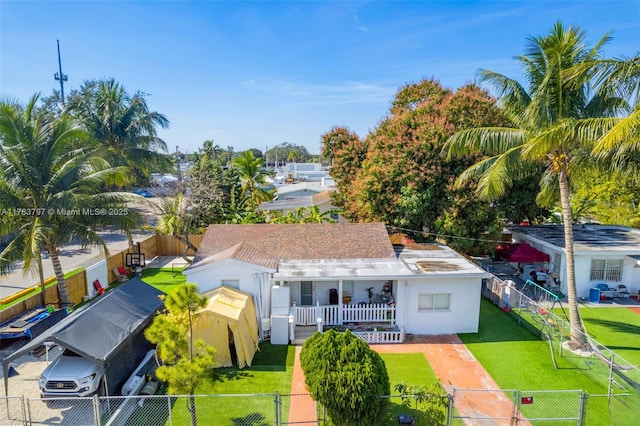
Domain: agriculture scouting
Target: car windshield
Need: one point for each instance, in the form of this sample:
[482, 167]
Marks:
[69, 352]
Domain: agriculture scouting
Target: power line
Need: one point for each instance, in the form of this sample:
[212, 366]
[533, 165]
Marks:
[444, 235]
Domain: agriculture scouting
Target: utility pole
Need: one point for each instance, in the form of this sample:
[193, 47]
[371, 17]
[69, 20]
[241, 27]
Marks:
[59, 75]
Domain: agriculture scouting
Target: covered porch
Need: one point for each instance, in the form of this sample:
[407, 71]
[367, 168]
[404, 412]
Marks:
[359, 294]
[343, 314]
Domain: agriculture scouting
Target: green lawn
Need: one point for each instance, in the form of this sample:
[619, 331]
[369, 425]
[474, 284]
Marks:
[218, 402]
[518, 359]
[163, 279]
[616, 328]
[413, 370]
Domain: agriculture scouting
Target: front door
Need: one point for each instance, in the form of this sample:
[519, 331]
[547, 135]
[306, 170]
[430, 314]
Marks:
[306, 293]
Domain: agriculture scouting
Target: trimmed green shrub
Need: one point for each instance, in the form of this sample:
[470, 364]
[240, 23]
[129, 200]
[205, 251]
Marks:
[344, 375]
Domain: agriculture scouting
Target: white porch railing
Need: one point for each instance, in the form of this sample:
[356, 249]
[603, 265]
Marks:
[305, 315]
[381, 336]
[340, 314]
[374, 312]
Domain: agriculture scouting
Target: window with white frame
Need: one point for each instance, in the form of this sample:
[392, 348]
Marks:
[606, 269]
[231, 283]
[430, 302]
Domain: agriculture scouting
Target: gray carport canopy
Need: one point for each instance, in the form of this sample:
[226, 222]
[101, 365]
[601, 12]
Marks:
[98, 330]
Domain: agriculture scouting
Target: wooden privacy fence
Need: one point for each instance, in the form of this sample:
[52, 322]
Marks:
[155, 245]
[76, 286]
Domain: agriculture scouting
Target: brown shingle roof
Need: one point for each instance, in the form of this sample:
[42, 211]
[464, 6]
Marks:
[243, 252]
[261, 244]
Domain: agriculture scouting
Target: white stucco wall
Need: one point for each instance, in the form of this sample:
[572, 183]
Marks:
[321, 290]
[464, 313]
[209, 277]
[630, 274]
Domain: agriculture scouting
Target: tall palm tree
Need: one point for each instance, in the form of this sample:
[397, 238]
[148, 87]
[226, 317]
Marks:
[253, 177]
[547, 118]
[175, 219]
[122, 124]
[53, 187]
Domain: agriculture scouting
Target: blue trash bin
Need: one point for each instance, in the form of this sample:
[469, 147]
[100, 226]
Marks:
[594, 295]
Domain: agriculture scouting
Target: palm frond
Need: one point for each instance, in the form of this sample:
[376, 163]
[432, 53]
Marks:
[485, 140]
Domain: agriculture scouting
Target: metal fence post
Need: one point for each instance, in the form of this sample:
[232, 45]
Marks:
[25, 410]
[96, 409]
[169, 410]
[449, 409]
[582, 407]
[519, 307]
[276, 408]
[514, 414]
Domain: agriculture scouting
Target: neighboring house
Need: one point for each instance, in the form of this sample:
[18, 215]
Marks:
[605, 254]
[422, 289]
[302, 197]
[311, 172]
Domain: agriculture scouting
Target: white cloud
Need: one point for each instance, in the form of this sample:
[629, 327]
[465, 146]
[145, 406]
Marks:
[339, 93]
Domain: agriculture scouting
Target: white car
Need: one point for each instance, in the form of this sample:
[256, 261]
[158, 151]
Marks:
[70, 375]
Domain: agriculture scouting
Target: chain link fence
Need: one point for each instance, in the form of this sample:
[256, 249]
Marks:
[538, 311]
[460, 407]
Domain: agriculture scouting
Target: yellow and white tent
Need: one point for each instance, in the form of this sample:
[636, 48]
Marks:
[229, 312]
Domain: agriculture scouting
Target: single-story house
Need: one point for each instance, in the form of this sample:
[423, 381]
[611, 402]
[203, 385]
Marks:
[288, 203]
[604, 254]
[342, 273]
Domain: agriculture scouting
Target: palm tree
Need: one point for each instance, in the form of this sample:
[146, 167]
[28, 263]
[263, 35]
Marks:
[122, 124]
[618, 138]
[175, 219]
[53, 186]
[253, 177]
[314, 215]
[547, 119]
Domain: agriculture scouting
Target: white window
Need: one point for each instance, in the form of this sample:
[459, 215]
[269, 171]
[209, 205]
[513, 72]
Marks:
[231, 283]
[606, 269]
[428, 302]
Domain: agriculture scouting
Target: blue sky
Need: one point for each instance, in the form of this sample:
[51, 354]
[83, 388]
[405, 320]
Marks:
[256, 74]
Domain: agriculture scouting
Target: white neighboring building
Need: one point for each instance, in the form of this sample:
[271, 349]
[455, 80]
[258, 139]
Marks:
[606, 254]
[434, 290]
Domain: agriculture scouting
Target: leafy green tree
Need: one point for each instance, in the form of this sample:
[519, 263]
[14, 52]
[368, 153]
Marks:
[399, 176]
[122, 124]
[605, 198]
[549, 120]
[253, 177]
[305, 215]
[209, 193]
[185, 362]
[345, 376]
[345, 152]
[432, 402]
[287, 152]
[53, 184]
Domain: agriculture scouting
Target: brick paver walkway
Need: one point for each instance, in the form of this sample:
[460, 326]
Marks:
[452, 363]
[302, 409]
